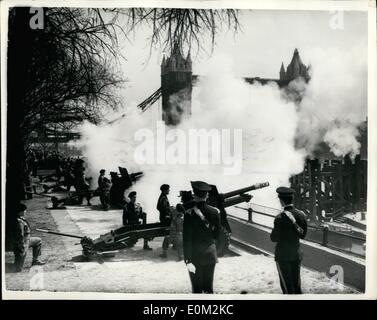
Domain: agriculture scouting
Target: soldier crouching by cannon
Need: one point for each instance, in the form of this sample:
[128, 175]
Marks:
[132, 213]
[22, 241]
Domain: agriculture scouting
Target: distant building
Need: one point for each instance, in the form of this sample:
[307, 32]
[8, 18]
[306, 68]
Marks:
[328, 184]
[176, 87]
[295, 69]
[177, 81]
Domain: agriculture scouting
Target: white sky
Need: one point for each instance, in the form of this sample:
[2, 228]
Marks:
[268, 37]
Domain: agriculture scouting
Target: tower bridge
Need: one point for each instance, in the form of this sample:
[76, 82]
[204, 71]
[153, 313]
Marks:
[177, 82]
[328, 186]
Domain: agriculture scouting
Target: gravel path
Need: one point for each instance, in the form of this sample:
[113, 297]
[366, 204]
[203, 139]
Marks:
[134, 270]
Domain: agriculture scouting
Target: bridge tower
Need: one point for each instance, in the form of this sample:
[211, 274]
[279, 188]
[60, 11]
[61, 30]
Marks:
[295, 69]
[176, 87]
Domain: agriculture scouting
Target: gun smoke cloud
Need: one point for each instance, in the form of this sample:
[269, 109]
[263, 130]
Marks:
[334, 103]
[277, 132]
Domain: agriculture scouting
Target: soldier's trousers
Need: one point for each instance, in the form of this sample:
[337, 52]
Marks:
[105, 200]
[36, 244]
[84, 195]
[202, 279]
[143, 217]
[289, 274]
[166, 242]
[178, 240]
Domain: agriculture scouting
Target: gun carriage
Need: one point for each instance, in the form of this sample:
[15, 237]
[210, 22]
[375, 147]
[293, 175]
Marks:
[61, 197]
[126, 236]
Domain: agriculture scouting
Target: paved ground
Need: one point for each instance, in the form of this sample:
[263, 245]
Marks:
[134, 270]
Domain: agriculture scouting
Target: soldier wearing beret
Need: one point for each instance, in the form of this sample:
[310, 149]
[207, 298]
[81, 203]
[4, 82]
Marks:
[289, 227]
[132, 212]
[22, 241]
[201, 226]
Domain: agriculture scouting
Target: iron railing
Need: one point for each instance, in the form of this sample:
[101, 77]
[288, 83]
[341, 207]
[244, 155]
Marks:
[320, 234]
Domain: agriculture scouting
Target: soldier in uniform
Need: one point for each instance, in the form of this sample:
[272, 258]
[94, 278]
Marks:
[163, 206]
[22, 241]
[100, 178]
[201, 227]
[289, 227]
[69, 178]
[132, 212]
[177, 227]
[82, 185]
[117, 198]
[104, 186]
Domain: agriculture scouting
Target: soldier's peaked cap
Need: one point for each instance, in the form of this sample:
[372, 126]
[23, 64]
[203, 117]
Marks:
[132, 194]
[200, 186]
[102, 171]
[285, 191]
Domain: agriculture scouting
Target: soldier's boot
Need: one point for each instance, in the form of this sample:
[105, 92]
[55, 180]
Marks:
[146, 247]
[164, 254]
[38, 263]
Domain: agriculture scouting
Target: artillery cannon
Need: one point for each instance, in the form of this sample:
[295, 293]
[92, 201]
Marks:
[117, 239]
[61, 197]
[120, 184]
[222, 201]
[126, 236]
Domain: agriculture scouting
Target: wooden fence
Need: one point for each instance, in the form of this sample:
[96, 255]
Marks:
[331, 187]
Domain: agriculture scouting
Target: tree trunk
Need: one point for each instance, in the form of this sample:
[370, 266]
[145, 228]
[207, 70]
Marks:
[19, 59]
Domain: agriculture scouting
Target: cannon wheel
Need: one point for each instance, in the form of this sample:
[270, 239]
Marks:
[223, 242]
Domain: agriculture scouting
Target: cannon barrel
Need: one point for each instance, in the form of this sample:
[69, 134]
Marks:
[59, 233]
[136, 175]
[237, 200]
[243, 190]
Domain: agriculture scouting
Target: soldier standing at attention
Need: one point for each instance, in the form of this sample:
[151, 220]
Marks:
[201, 226]
[100, 178]
[177, 226]
[104, 186]
[289, 227]
[163, 206]
[132, 212]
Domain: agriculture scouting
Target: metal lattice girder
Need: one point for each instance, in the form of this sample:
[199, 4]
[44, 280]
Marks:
[143, 105]
[150, 100]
